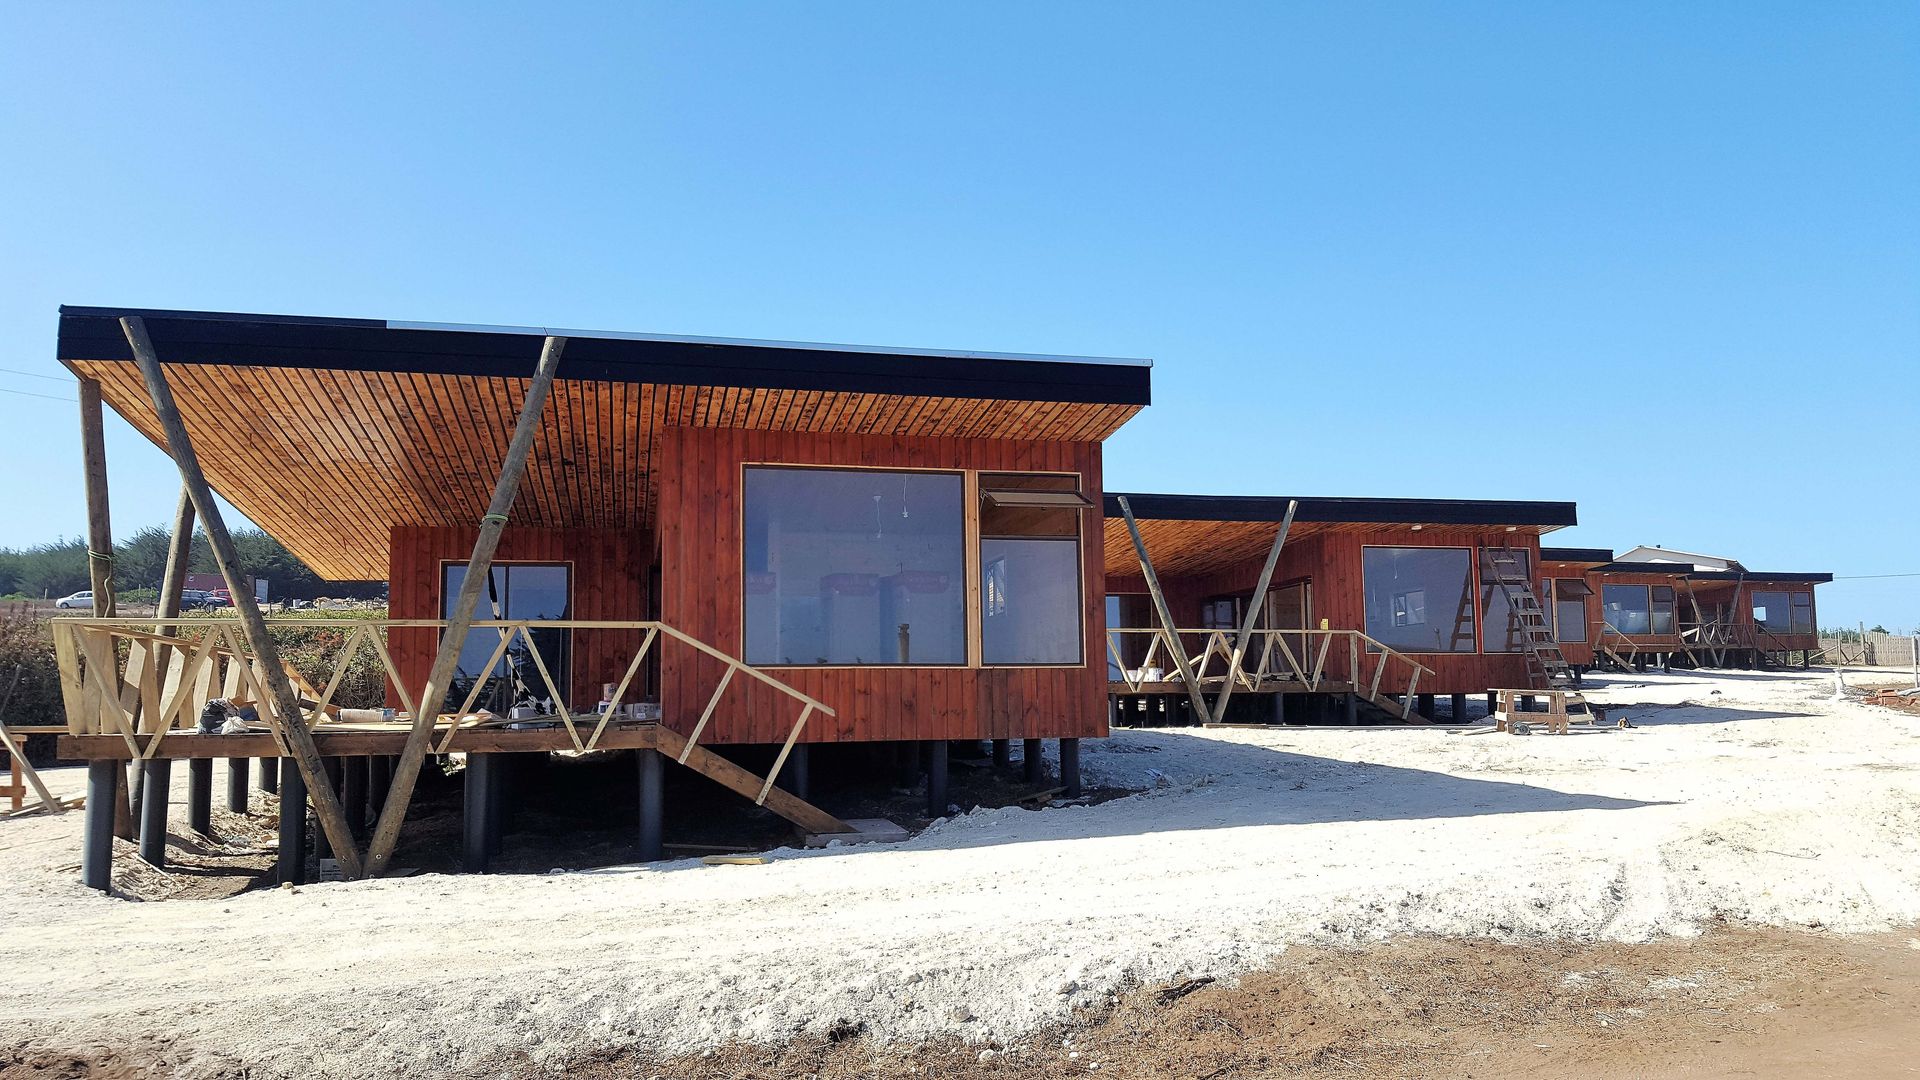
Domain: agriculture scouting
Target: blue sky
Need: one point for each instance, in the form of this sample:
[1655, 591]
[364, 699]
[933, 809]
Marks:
[1660, 259]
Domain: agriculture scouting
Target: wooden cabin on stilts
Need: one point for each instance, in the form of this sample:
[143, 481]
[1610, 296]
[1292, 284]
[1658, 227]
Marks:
[713, 554]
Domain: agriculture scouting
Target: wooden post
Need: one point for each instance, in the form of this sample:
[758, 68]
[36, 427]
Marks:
[460, 618]
[286, 716]
[1253, 613]
[93, 452]
[1174, 647]
[179, 548]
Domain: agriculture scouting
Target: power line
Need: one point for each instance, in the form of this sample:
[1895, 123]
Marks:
[29, 393]
[34, 374]
[1871, 577]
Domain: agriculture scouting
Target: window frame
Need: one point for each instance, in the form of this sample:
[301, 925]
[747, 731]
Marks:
[564, 680]
[975, 571]
[1554, 599]
[1646, 590]
[1473, 585]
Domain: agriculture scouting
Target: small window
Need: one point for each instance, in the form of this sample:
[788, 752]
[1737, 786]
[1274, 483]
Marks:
[1803, 613]
[1661, 613]
[1570, 608]
[1031, 609]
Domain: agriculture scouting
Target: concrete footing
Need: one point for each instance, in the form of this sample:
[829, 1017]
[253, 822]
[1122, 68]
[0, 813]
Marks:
[866, 831]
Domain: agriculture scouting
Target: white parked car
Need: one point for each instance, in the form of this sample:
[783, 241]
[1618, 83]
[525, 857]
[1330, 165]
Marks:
[81, 599]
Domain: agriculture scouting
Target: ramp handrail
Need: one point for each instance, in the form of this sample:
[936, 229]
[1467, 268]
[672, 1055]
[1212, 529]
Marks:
[1273, 656]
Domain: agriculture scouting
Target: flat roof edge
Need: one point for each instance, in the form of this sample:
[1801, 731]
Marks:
[1262, 508]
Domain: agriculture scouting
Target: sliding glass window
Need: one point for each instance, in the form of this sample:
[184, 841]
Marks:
[1803, 612]
[1030, 599]
[1772, 612]
[1625, 608]
[849, 567]
[1419, 599]
[1661, 610]
[514, 591]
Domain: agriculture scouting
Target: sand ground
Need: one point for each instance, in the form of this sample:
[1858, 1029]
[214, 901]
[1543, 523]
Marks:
[1737, 800]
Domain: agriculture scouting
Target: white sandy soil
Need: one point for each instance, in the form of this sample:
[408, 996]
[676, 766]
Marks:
[1744, 796]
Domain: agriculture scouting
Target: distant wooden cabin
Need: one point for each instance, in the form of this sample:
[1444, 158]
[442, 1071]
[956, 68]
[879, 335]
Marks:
[1664, 605]
[1411, 575]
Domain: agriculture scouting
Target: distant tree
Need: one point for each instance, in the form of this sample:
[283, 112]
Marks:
[140, 561]
[1878, 629]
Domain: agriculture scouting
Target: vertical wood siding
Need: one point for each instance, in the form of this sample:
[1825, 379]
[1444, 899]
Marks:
[609, 581]
[700, 476]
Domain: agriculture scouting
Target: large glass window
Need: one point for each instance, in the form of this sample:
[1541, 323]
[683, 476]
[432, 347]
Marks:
[514, 591]
[1501, 628]
[1030, 610]
[854, 567]
[1570, 608]
[1419, 599]
[1803, 612]
[1626, 608]
[1773, 612]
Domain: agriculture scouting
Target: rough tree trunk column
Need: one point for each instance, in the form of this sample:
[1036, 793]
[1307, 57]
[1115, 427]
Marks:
[460, 618]
[290, 723]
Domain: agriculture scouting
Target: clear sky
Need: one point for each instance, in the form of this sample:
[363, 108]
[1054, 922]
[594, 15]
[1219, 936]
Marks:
[1660, 259]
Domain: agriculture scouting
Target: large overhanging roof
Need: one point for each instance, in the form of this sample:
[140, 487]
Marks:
[1197, 534]
[328, 432]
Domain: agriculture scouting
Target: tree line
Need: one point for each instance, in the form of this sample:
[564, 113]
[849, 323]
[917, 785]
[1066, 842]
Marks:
[139, 562]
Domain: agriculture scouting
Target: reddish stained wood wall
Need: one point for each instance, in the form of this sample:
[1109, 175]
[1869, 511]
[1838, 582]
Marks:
[1332, 560]
[609, 581]
[1740, 595]
[700, 476]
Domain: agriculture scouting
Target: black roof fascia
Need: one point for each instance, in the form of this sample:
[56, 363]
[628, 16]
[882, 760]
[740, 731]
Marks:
[1673, 568]
[1258, 508]
[199, 337]
[1573, 554]
[1757, 577]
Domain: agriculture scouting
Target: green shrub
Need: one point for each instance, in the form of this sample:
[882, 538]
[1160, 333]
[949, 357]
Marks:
[26, 645]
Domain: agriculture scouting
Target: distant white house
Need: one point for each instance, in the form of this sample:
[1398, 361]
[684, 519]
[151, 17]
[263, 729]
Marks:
[1655, 554]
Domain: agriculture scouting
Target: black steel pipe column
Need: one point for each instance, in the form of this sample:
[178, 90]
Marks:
[293, 828]
[1002, 753]
[237, 769]
[795, 774]
[477, 813]
[200, 795]
[156, 774]
[379, 780]
[270, 775]
[652, 806]
[353, 794]
[96, 843]
[1070, 767]
[937, 778]
[1459, 706]
[1033, 763]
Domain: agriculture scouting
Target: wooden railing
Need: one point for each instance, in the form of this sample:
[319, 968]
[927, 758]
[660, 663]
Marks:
[1306, 658]
[143, 679]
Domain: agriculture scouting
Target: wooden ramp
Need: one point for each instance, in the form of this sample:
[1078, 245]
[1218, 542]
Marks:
[761, 790]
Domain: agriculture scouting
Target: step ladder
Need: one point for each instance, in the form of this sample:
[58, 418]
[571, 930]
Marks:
[1547, 668]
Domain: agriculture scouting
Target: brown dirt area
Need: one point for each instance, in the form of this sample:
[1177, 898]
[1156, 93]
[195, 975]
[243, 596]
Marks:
[1734, 1003]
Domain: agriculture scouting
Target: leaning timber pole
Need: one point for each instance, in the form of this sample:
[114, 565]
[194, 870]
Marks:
[93, 453]
[386, 832]
[1174, 648]
[1253, 613]
[293, 725]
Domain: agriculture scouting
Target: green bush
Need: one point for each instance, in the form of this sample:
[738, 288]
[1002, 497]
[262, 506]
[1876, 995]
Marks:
[26, 645]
